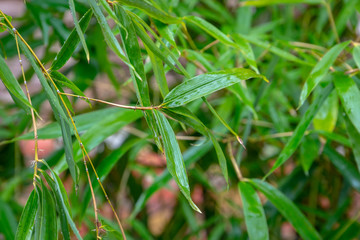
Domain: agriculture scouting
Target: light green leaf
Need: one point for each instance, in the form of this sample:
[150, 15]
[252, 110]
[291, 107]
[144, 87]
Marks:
[320, 70]
[325, 119]
[26, 224]
[263, 3]
[78, 29]
[246, 51]
[349, 95]
[299, 132]
[255, 218]
[288, 209]
[174, 160]
[356, 55]
[71, 43]
[109, 125]
[205, 84]
[151, 10]
[210, 29]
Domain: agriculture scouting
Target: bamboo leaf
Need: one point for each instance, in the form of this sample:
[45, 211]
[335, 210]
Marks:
[109, 125]
[349, 95]
[205, 84]
[26, 224]
[133, 53]
[320, 70]
[108, 35]
[62, 201]
[13, 85]
[325, 119]
[255, 218]
[174, 160]
[48, 226]
[150, 10]
[346, 169]
[78, 29]
[356, 55]
[354, 136]
[210, 29]
[71, 42]
[262, 3]
[288, 209]
[299, 132]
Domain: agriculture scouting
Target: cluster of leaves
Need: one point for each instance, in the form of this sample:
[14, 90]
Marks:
[306, 116]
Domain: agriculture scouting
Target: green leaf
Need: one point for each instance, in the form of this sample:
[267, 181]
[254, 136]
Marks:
[159, 73]
[354, 136]
[246, 51]
[288, 209]
[78, 29]
[182, 114]
[191, 156]
[174, 160]
[108, 35]
[133, 53]
[205, 84]
[344, 166]
[71, 43]
[109, 125]
[262, 3]
[275, 50]
[309, 150]
[53, 130]
[62, 202]
[320, 70]
[299, 132]
[48, 225]
[7, 221]
[151, 11]
[13, 85]
[210, 29]
[26, 224]
[4, 22]
[54, 101]
[349, 95]
[255, 218]
[356, 55]
[325, 119]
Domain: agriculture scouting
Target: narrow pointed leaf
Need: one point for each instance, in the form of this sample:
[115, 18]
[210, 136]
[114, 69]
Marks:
[299, 132]
[356, 55]
[26, 224]
[210, 29]
[255, 218]
[174, 160]
[349, 95]
[288, 209]
[320, 70]
[262, 3]
[62, 200]
[71, 43]
[205, 84]
[325, 119]
[78, 29]
[48, 227]
[150, 10]
[354, 136]
[13, 85]
[347, 169]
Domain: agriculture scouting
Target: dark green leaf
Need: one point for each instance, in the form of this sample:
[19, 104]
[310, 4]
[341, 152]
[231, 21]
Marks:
[174, 160]
[288, 209]
[205, 84]
[48, 226]
[26, 224]
[320, 70]
[349, 95]
[71, 43]
[299, 132]
[254, 213]
[355, 141]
